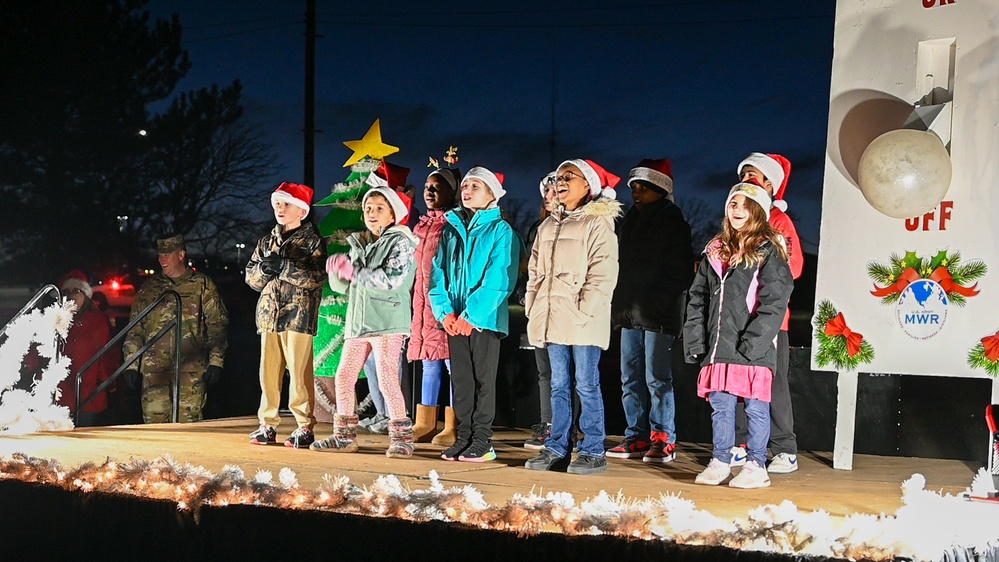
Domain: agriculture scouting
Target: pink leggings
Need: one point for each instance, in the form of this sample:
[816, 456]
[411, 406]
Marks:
[387, 349]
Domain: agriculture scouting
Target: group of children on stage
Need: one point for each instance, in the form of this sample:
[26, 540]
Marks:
[446, 285]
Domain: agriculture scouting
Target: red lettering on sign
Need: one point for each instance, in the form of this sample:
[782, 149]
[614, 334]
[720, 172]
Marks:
[931, 3]
[946, 211]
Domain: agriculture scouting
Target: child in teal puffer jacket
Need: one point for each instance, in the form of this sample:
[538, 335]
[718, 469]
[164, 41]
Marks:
[474, 273]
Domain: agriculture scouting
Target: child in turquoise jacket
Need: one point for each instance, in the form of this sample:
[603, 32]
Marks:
[474, 273]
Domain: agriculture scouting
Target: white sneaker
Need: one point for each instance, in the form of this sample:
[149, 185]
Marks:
[738, 457]
[751, 476]
[784, 463]
[716, 473]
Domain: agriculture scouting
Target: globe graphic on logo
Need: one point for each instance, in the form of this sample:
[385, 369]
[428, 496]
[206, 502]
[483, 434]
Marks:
[922, 309]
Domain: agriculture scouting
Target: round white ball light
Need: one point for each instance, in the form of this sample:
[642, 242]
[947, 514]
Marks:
[905, 173]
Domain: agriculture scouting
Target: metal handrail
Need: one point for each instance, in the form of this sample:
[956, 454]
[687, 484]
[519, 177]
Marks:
[174, 324]
[31, 304]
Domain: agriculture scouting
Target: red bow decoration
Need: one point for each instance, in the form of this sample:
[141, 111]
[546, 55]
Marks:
[907, 277]
[991, 345]
[836, 326]
[942, 276]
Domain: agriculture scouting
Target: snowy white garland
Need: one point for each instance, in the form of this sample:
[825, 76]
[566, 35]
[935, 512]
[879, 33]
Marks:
[28, 411]
[928, 524]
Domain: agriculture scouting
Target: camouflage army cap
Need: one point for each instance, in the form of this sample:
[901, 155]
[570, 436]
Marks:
[171, 244]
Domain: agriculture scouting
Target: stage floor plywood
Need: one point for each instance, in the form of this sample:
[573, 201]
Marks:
[873, 486]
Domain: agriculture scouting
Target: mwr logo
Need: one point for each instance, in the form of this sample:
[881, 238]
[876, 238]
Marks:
[922, 309]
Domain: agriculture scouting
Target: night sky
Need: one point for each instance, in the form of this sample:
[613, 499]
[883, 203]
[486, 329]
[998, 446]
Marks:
[702, 82]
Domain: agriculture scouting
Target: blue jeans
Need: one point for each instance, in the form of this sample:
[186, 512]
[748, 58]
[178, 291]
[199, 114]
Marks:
[723, 427]
[587, 378]
[431, 388]
[647, 383]
[376, 395]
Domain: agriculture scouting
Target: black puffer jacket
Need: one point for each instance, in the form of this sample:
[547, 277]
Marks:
[721, 327]
[656, 269]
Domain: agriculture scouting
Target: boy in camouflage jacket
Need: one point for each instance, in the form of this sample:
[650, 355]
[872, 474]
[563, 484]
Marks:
[287, 267]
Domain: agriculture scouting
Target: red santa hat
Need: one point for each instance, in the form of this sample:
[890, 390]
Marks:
[753, 190]
[388, 175]
[601, 181]
[547, 182]
[493, 180]
[659, 173]
[775, 168]
[76, 280]
[294, 194]
[400, 202]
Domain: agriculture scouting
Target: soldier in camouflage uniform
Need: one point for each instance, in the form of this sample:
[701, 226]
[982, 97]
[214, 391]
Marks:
[203, 337]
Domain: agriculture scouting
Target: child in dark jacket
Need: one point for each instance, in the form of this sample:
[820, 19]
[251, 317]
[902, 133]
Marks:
[656, 270]
[736, 305]
[287, 269]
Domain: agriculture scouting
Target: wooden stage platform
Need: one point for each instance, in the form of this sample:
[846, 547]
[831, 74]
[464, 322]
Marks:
[872, 487]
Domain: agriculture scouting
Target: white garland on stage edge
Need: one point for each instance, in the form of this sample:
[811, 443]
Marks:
[928, 525]
[23, 411]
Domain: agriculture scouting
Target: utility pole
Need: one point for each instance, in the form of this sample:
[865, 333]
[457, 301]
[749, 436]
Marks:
[309, 172]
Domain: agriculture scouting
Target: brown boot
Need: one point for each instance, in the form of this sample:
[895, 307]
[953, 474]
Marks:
[447, 437]
[400, 439]
[425, 428]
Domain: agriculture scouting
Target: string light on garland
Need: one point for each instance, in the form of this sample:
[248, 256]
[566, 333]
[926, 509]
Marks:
[838, 344]
[928, 525]
[985, 355]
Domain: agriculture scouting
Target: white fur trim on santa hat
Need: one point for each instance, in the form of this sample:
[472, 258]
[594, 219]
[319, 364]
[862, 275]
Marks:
[289, 199]
[488, 178]
[771, 169]
[655, 177]
[596, 190]
[77, 283]
[392, 196]
[753, 192]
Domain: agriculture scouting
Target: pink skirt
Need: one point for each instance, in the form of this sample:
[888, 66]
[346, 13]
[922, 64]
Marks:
[741, 380]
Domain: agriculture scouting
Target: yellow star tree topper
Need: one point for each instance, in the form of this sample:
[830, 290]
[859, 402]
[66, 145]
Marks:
[371, 145]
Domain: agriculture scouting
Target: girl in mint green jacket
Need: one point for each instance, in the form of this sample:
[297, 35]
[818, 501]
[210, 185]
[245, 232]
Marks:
[474, 273]
[377, 277]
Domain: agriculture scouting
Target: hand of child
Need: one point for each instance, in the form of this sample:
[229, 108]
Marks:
[271, 264]
[448, 324]
[463, 327]
[332, 262]
[346, 270]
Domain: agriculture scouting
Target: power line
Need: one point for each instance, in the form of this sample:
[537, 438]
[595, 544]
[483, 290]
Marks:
[574, 9]
[383, 23]
[244, 32]
[240, 22]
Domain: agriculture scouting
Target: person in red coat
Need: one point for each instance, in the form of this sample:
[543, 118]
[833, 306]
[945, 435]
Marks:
[428, 341]
[773, 171]
[90, 332]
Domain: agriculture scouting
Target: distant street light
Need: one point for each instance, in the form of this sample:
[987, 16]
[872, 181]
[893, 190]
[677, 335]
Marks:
[239, 254]
[142, 132]
[122, 222]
